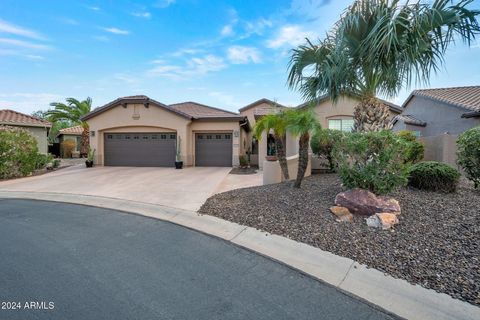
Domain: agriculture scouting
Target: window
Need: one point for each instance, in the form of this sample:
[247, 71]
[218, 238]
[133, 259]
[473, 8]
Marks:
[154, 136]
[145, 137]
[109, 136]
[118, 136]
[163, 136]
[128, 137]
[209, 136]
[218, 136]
[340, 124]
[172, 136]
[200, 136]
[136, 137]
[227, 136]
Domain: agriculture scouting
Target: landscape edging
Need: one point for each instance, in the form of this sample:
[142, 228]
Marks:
[394, 295]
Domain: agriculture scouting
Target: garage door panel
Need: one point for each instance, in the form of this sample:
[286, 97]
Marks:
[140, 149]
[213, 149]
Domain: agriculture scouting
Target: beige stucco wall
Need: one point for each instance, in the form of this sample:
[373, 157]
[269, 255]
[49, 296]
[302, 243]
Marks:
[156, 119]
[272, 173]
[40, 134]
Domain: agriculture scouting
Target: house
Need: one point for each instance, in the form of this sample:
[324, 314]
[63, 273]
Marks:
[72, 134]
[140, 131]
[331, 115]
[39, 128]
[438, 116]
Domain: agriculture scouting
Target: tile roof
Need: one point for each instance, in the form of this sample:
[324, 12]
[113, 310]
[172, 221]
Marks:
[201, 111]
[20, 119]
[409, 119]
[465, 97]
[76, 130]
[263, 100]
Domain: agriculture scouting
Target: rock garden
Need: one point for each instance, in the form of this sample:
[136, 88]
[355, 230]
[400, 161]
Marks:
[383, 207]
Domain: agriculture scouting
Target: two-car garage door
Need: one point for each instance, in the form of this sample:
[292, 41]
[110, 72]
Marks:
[140, 149]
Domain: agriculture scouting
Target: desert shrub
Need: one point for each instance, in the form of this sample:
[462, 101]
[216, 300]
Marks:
[18, 152]
[42, 160]
[322, 144]
[434, 176]
[243, 161]
[415, 149]
[468, 154]
[67, 146]
[56, 163]
[372, 160]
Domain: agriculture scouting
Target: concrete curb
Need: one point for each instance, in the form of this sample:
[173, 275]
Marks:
[394, 295]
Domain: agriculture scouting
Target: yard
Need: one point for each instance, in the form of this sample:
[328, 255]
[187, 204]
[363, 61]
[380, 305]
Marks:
[435, 245]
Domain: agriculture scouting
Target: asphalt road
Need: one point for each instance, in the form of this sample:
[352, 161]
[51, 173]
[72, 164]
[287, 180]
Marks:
[92, 263]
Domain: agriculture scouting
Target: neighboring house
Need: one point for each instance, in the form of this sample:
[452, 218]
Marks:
[337, 116]
[438, 116]
[39, 128]
[73, 134]
[139, 131]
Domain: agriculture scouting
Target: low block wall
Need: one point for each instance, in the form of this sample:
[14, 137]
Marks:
[272, 173]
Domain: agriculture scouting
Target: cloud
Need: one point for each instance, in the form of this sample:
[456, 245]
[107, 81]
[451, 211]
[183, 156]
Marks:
[163, 3]
[93, 8]
[256, 27]
[243, 55]
[290, 36]
[186, 51]
[116, 31]
[6, 27]
[144, 14]
[227, 31]
[191, 68]
[23, 44]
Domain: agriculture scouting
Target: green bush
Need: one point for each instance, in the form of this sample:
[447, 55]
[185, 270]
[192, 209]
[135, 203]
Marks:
[434, 176]
[468, 154]
[18, 153]
[42, 160]
[322, 144]
[372, 160]
[243, 161]
[415, 149]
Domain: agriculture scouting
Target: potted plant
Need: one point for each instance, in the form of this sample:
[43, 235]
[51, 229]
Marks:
[178, 156]
[90, 157]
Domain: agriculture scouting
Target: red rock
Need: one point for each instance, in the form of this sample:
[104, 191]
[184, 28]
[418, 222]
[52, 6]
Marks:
[364, 202]
[342, 214]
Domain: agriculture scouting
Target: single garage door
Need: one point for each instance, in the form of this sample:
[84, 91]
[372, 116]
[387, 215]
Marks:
[140, 149]
[213, 149]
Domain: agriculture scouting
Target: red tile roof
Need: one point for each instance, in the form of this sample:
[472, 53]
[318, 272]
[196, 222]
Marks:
[76, 130]
[201, 111]
[465, 97]
[258, 102]
[10, 117]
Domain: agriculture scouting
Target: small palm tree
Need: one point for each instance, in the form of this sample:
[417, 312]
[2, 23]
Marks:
[277, 123]
[73, 111]
[302, 124]
[378, 47]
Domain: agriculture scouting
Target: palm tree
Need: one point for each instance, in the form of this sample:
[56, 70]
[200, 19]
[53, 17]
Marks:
[73, 111]
[302, 123]
[378, 47]
[277, 123]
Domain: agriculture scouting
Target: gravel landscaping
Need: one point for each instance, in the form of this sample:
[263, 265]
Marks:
[436, 244]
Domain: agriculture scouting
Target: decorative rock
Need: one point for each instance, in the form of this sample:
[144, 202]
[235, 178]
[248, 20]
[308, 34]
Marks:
[342, 214]
[364, 202]
[384, 220]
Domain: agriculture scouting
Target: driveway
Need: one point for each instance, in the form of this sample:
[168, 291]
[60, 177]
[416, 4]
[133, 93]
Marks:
[92, 263]
[185, 189]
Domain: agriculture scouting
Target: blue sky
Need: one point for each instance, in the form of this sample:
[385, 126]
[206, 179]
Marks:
[221, 53]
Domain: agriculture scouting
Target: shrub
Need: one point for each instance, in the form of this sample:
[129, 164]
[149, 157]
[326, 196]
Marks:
[469, 154]
[322, 144]
[243, 161]
[18, 152]
[56, 163]
[42, 160]
[434, 176]
[67, 146]
[372, 160]
[415, 149]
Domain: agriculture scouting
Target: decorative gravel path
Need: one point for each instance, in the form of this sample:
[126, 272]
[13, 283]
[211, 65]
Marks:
[436, 244]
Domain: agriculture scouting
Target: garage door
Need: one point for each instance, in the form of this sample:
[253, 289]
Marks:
[213, 149]
[140, 149]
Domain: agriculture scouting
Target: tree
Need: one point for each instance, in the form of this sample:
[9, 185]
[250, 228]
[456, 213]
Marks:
[378, 47]
[302, 123]
[73, 111]
[276, 122]
[56, 125]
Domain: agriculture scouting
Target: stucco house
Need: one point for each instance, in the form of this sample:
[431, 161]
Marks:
[438, 116]
[140, 131]
[39, 128]
[73, 134]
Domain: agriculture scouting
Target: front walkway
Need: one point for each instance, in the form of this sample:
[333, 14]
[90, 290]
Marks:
[186, 189]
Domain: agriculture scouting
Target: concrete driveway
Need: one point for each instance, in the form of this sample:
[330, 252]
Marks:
[185, 189]
[92, 263]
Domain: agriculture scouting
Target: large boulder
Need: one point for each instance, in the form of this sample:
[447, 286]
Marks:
[364, 202]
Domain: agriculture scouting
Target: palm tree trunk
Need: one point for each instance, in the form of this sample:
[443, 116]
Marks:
[85, 143]
[282, 159]
[302, 158]
[371, 115]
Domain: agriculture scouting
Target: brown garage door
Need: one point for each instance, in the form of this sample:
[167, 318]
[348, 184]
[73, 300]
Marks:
[140, 149]
[213, 149]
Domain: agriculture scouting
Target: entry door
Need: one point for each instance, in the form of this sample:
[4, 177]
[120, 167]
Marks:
[213, 149]
[140, 149]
